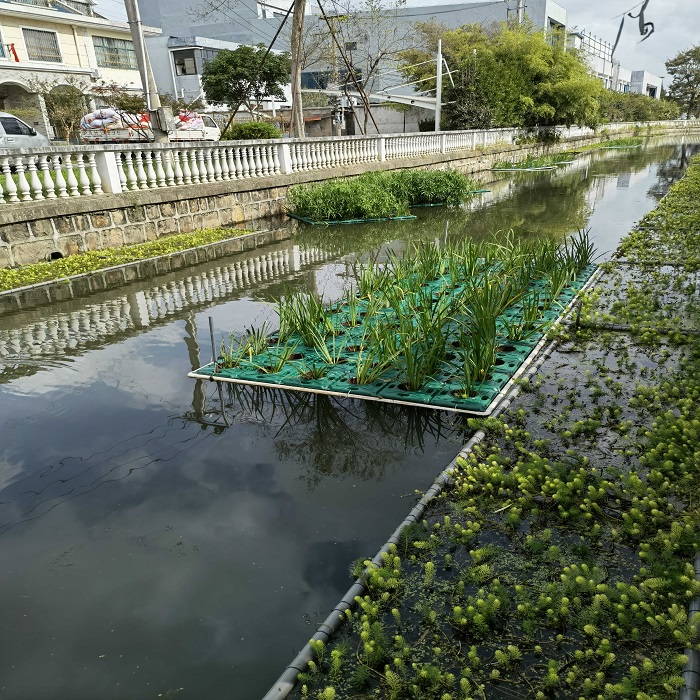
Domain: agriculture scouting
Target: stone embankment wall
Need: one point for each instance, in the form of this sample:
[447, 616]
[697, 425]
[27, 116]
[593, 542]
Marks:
[34, 231]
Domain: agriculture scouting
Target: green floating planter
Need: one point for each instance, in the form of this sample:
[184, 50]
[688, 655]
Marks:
[441, 391]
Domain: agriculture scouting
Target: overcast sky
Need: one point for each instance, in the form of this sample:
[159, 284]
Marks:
[676, 26]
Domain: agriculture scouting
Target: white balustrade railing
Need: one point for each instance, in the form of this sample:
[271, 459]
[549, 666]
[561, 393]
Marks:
[79, 171]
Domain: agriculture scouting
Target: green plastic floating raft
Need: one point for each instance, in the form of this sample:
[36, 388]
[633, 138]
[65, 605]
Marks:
[347, 221]
[443, 391]
[523, 170]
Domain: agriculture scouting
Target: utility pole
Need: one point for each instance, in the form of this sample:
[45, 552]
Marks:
[438, 90]
[297, 123]
[521, 9]
[147, 80]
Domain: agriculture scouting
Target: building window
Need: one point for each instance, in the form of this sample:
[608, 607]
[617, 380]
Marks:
[184, 62]
[208, 55]
[42, 46]
[114, 53]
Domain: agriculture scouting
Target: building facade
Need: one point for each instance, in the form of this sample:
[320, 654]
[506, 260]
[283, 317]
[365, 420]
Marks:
[59, 42]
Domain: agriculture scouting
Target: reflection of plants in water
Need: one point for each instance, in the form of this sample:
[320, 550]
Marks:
[332, 436]
[670, 170]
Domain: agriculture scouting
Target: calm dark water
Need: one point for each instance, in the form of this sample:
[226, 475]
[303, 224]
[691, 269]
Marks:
[159, 539]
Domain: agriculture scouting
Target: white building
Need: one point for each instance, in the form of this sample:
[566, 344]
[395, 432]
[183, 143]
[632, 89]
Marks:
[60, 40]
[646, 83]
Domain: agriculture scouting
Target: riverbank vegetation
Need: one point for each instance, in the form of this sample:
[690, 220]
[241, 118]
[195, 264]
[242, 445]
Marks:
[559, 563]
[378, 195]
[519, 76]
[12, 278]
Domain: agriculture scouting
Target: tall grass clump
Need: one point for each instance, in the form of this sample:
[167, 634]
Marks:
[378, 195]
[364, 197]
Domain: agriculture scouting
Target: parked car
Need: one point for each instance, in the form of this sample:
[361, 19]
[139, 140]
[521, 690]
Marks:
[14, 133]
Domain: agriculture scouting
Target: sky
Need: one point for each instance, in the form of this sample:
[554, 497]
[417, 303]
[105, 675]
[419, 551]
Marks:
[676, 26]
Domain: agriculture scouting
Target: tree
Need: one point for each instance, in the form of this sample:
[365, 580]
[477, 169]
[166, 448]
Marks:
[241, 77]
[635, 107]
[506, 76]
[685, 87]
[355, 43]
[66, 102]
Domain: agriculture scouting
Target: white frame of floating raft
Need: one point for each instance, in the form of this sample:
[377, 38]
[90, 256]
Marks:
[525, 365]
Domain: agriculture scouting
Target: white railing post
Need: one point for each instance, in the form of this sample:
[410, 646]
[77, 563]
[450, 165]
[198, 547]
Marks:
[443, 142]
[106, 162]
[381, 149]
[284, 154]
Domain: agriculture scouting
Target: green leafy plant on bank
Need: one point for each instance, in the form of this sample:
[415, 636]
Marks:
[12, 278]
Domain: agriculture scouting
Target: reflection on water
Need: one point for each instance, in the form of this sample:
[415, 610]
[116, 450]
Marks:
[331, 436]
[78, 325]
[161, 537]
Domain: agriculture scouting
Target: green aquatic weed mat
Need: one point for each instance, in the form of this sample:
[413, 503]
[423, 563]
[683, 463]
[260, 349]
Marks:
[647, 299]
[443, 390]
[558, 563]
[348, 221]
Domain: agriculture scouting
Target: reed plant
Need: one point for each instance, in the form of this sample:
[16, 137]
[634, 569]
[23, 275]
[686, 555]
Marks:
[277, 357]
[376, 356]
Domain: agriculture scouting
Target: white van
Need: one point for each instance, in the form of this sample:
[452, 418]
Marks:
[14, 133]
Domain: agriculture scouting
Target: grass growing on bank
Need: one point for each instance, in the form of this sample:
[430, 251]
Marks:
[378, 195]
[11, 278]
[559, 564]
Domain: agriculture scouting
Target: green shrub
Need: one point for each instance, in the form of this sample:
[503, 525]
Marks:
[251, 130]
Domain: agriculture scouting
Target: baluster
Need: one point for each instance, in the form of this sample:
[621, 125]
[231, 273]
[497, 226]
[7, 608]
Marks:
[169, 171]
[216, 154]
[24, 190]
[276, 167]
[60, 180]
[194, 166]
[293, 157]
[238, 169]
[202, 166]
[94, 175]
[44, 165]
[160, 171]
[231, 160]
[244, 162]
[258, 162]
[83, 179]
[208, 165]
[2, 192]
[151, 180]
[313, 160]
[34, 181]
[71, 180]
[266, 160]
[141, 177]
[121, 159]
[9, 181]
[186, 172]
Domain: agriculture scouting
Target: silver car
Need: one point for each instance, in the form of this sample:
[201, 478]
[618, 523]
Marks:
[14, 133]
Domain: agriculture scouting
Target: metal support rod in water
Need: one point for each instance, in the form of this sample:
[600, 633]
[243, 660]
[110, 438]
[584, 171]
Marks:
[213, 347]
[438, 89]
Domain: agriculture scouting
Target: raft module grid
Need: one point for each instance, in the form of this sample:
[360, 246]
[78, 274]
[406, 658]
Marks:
[442, 391]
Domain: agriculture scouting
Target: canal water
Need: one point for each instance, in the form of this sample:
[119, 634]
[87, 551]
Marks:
[159, 539]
